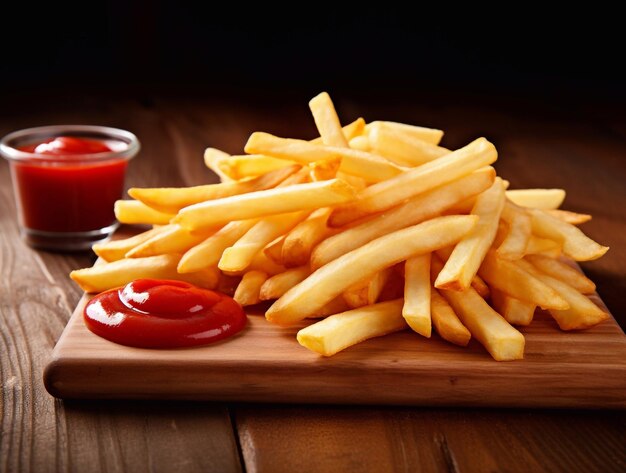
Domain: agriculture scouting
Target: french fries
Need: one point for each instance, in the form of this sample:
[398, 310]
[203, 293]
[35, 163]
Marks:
[499, 338]
[537, 198]
[208, 253]
[250, 165]
[446, 322]
[114, 250]
[514, 311]
[171, 200]
[366, 292]
[421, 207]
[576, 244]
[265, 203]
[249, 288]
[136, 212]
[357, 163]
[429, 135]
[327, 121]
[581, 313]
[239, 256]
[277, 285]
[402, 148]
[519, 231]
[570, 217]
[332, 279]
[299, 243]
[388, 193]
[171, 239]
[372, 227]
[467, 256]
[102, 277]
[212, 159]
[340, 331]
[563, 272]
[416, 309]
[512, 279]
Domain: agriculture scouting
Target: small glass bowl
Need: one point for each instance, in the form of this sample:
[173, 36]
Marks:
[65, 202]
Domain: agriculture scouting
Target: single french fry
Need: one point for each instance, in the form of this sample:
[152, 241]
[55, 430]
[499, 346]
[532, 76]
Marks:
[582, 313]
[114, 250]
[402, 148]
[468, 254]
[515, 311]
[277, 285]
[563, 272]
[350, 131]
[247, 292]
[419, 208]
[212, 159]
[519, 230]
[280, 200]
[477, 283]
[173, 239]
[537, 198]
[239, 256]
[299, 242]
[512, 279]
[208, 253]
[429, 135]
[332, 279]
[327, 121]
[502, 341]
[340, 331]
[366, 292]
[576, 244]
[135, 212]
[570, 217]
[446, 322]
[361, 143]
[393, 191]
[368, 166]
[251, 165]
[103, 277]
[543, 246]
[416, 310]
[172, 199]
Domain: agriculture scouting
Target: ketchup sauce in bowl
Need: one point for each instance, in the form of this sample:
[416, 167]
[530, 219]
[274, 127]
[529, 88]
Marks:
[66, 180]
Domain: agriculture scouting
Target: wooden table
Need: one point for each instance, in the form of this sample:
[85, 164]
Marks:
[581, 149]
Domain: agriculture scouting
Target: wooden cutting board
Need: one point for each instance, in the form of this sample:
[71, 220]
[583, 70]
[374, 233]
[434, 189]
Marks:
[265, 363]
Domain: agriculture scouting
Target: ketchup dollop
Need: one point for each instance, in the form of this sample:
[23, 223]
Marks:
[150, 313]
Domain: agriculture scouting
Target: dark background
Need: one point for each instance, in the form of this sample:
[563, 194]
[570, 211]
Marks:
[143, 48]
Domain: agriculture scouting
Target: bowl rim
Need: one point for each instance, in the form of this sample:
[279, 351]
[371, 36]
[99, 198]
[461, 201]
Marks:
[11, 153]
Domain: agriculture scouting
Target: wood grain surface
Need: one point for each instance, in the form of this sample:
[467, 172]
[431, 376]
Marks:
[265, 363]
[578, 146]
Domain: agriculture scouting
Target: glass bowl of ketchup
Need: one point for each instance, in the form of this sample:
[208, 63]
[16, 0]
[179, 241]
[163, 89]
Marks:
[66, 180]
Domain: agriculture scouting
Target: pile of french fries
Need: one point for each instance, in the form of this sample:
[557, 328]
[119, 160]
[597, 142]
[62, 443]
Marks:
[371, 228]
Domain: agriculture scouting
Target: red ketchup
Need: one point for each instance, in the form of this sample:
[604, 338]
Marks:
[72, 194]
[151, 313]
